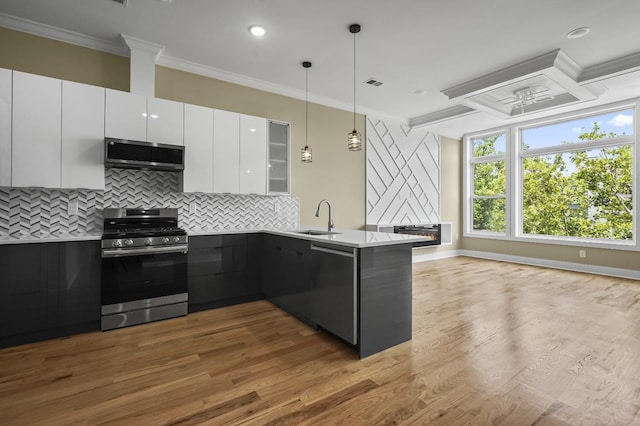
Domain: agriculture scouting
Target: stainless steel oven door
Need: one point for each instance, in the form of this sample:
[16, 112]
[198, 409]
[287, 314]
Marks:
[144, 276]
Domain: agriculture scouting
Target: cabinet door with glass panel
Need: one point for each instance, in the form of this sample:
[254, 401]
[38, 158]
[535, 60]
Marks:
[278, 167]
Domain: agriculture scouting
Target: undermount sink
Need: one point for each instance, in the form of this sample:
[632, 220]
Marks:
[312, 232]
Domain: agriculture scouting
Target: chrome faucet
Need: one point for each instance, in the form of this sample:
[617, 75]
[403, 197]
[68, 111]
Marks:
[330, 224]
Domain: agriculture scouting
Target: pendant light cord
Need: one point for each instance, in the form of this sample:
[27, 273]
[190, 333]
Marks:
[354, 81]
[306, 113]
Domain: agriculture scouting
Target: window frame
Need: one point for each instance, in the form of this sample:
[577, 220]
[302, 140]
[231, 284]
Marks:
[514, 175]
[472, 160]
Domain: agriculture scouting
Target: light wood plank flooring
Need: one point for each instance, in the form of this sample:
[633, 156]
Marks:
[493, 344]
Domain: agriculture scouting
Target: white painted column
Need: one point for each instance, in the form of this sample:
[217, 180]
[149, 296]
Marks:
[143, 65]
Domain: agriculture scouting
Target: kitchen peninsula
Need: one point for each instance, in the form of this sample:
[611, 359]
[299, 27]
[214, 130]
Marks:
[356, 285]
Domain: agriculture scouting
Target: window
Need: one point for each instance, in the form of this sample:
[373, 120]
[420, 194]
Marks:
[561, 181]
[489, 183]
[577, 178]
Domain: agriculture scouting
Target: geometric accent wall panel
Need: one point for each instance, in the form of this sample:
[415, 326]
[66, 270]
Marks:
[403, 174]
[41, 212]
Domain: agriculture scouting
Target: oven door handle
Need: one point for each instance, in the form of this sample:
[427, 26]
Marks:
[109, 253]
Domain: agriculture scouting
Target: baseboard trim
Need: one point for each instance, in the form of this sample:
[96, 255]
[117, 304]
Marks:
[435, 256]
[568, 266]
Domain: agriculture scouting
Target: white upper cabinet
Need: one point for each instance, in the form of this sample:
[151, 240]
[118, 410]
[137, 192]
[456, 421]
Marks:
[226, 151]
[198, 143]
[136, 117]
[36, 127]
[253, 155]
[82, 136]
[165, 121]
[125, 115]
[52, 135]
[5, 127]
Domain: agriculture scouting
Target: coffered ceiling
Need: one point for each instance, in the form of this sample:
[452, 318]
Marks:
[421, 51]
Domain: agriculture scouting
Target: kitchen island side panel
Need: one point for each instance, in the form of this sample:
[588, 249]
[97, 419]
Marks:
[385, 297]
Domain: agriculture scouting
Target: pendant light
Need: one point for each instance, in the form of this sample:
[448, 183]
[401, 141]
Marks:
[354, 139]
[305, 154]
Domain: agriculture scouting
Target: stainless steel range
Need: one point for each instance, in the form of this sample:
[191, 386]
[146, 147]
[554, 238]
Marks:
[144, 266]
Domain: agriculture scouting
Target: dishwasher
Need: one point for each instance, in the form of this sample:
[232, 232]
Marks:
[334, 301]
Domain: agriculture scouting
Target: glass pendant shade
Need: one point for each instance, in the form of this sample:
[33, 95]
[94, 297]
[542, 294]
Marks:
[354, 141]
[306, 155]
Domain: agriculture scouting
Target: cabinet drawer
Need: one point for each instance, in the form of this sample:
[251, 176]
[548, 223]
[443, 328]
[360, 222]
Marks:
[205, 241]
[217, 288]
[205, 261]
[217, 254]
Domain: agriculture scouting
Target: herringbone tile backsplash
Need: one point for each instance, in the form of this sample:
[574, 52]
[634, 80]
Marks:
[41, 212]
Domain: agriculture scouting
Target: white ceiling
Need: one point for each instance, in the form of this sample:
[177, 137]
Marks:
[409, 45]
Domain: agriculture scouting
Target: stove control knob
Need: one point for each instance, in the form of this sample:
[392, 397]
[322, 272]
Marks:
[176, 239]
[165, 240]
[148, 241]
[116, 243]
[128, 242]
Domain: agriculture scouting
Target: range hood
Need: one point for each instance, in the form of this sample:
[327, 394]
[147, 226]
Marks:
[130, 154]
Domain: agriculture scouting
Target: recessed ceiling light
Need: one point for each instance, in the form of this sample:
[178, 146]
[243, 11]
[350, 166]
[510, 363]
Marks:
[420, 92]
[257, 30]
[578, 32]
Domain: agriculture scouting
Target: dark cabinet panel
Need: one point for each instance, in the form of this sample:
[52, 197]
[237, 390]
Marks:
[255, 249]
[24, 292]
[48, 290]
[219, 271]
[385, 297]
[78, 292]
[286, 280]
[217, 289]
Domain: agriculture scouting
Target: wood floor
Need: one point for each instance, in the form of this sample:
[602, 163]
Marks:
[493, 344]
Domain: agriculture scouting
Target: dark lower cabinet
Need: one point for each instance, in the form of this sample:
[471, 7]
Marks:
[78, 294]
[220, 270]
[286, 276]
[361, 295]
[385, 317]
[48, 290]
[24, 293]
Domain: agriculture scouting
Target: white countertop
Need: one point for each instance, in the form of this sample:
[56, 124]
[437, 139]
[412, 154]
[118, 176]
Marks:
[343, 237]
[201, 232]
[47, 238]
[352, 237]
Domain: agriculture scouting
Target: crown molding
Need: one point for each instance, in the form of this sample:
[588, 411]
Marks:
[122, 49]
[254, 83]
[143, 46]
[71, 37]
[605, 70]
[243, 80]
[503, 75]
[441, 115]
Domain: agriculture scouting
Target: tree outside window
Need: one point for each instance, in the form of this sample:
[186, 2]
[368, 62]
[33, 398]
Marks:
[575, 179]
[580, 193]
[489, 184]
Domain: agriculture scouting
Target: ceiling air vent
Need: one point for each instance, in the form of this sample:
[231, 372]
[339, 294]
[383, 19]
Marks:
[373, 82]
[121, 2]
